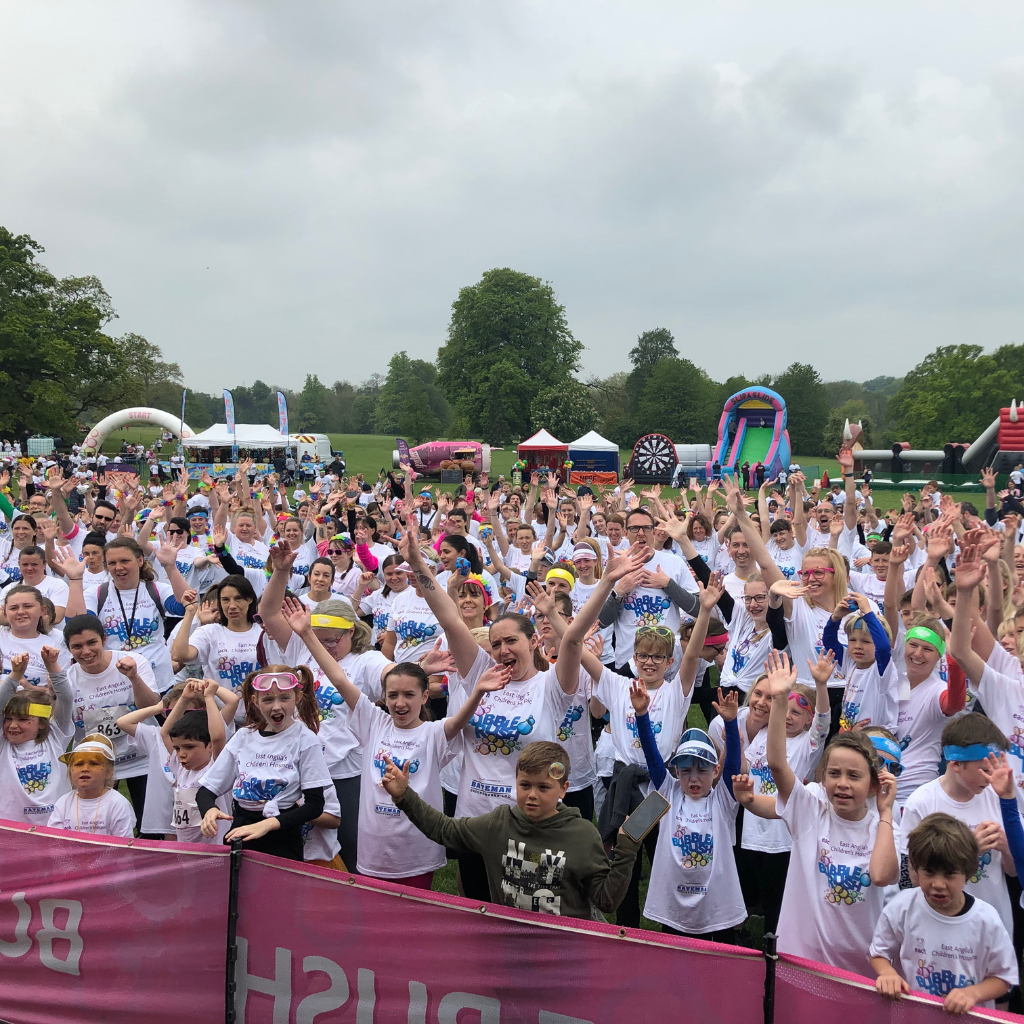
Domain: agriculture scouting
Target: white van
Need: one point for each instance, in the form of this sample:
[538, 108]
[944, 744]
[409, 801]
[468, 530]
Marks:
[317, 445]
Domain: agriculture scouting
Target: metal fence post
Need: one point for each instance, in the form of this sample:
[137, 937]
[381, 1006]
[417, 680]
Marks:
[771, 958]
[229, 982]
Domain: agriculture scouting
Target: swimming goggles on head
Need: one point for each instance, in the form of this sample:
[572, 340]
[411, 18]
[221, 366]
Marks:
[282, 680]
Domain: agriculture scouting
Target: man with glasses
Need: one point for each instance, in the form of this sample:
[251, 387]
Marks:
[651, 596]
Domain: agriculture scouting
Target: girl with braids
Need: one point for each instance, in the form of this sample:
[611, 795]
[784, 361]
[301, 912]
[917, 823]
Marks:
[272, 761]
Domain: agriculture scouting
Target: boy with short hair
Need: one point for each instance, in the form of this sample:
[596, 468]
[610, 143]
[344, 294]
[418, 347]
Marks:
[540, 855]
[936, 938]
[963, 792]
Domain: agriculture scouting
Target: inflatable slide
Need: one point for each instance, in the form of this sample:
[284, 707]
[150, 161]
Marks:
[753, 429]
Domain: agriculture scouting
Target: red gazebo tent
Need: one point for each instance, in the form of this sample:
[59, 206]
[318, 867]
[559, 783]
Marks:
[542, 451]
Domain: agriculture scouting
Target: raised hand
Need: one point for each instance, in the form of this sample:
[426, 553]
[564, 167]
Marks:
[781, 674]
[711, 594]
[789, 589]
[620, 565]
[437, 662]
[127, 667]
[168, 551]
[824, 667]
[19, 662]
[970, 570]
[845, 459]
[886, 791]
[395, 780]
[296, 614]
[542, 601]
[495, 678]
[1000, 776]
[988, 478]
[898, 555]
[727, 705]
[639, 697]
[743, 789]
[67, 562]
[283, 557]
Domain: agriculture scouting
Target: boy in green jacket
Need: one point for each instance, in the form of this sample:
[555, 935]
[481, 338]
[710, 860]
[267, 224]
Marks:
[540, 855]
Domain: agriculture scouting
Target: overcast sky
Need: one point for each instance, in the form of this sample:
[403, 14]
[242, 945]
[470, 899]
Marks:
[269, 189]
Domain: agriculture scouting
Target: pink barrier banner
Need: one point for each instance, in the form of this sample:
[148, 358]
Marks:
[98, 930]
[808, 993]
[332, 947]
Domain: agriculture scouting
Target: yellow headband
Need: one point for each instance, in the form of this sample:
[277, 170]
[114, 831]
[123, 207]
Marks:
[40, 710]
[561, 574]
[331, 622]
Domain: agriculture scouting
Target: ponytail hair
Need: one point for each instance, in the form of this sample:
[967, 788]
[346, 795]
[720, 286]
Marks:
[466, 549]
[305, 703]
[410, 670]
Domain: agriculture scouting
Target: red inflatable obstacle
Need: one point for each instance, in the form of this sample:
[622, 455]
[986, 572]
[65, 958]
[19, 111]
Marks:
[1011, 428]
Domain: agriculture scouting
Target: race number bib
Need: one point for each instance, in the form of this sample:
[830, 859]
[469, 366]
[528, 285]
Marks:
[186, 810]
[104, 721]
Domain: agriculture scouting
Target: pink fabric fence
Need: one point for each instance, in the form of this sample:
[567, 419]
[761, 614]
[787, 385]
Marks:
[104, 931]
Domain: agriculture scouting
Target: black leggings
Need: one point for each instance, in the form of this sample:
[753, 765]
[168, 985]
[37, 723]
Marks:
[763, 879]
[472, 873]
[726, 935]
[283, 842]
[137, 794]
[348, 830]
[583, 801]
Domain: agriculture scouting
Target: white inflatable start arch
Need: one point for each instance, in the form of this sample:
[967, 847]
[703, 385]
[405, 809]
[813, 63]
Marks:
[137, 416]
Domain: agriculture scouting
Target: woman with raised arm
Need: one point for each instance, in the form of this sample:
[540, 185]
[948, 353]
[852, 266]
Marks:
[530, 707]
[807, 606]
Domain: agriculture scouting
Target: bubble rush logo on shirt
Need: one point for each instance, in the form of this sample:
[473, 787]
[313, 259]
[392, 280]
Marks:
[649, 609]
[258, 790]
[399, 762]
[845, 882]
[327, 699]
[848, 715]
[1017, 743]
[233, 672]
[631, 726]
[764, 773]
[412, 634]
[498, 734]
[698, 849]
[939, 983]
[34, 777]
[980, 872]
[572, 716]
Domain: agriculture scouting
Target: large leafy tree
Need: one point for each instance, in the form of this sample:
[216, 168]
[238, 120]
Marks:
[953, 394]
[57, 366]
[566, 410]
[681, 401]
[508, 336]
[807, 406]
[650, 348]
[314, 405]
[410, 382]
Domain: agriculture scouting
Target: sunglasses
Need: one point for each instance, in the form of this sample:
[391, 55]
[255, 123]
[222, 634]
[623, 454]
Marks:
[656, 630]
[336, 551]
[175, 533]
[893, 767]
[801, 701]
[282, 680]
[817, 574]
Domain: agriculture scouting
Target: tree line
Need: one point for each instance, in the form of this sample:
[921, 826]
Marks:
[508, 366]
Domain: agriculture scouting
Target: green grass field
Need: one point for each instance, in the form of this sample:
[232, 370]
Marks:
[369, 453]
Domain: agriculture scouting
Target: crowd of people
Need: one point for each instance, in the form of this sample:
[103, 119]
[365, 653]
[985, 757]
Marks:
[379, 676]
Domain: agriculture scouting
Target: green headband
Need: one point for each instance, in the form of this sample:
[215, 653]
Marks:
[928, 636]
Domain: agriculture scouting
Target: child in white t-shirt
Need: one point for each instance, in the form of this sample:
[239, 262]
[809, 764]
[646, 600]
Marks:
[193, 740]
[937, 938]
[871, 696]
[93, 805]
[695, 887]
[964, 793]
[36, 730]
[844, 850]
[390, 846]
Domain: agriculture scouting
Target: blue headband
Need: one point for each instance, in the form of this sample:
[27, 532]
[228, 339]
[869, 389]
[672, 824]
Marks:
[192, 513]
[975, 752]
[884, 745]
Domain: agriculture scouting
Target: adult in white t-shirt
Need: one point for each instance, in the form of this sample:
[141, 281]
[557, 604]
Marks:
[530, 707]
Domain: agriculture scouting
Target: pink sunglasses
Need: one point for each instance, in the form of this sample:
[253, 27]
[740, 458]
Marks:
[283, 680]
